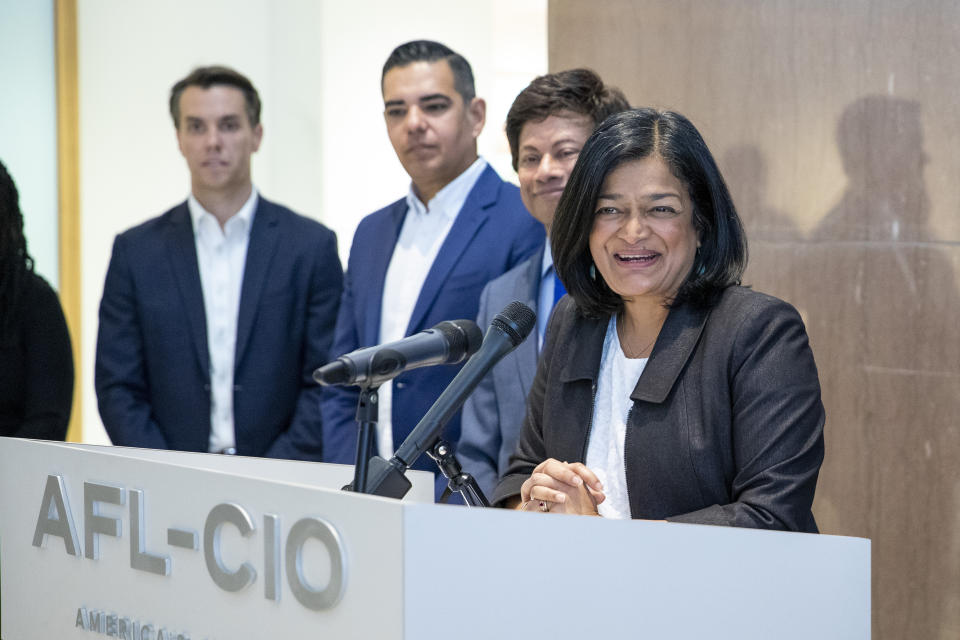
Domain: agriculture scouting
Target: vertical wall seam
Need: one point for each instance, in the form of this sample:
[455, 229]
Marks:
[68, 179]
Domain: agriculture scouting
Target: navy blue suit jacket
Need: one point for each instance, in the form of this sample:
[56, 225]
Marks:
[492, 233]
[153, 367]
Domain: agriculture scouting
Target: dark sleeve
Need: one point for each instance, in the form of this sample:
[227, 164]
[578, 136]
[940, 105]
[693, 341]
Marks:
[302, 440]
[339, 403]
[777, 426]
[480, 433]
[48, 375]
[123, 396]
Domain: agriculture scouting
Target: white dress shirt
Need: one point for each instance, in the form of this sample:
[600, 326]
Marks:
[221, 256]
[611, 409]
[425, 227]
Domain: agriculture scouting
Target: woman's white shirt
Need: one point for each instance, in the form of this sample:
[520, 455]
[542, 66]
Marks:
[611, 408]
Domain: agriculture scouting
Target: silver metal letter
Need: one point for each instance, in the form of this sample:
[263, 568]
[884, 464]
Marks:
[93, 522]
[315, 599]
[82, 619]
[55, 518]
[139, 558]
[183, 538]
[271, 556]
[97, 622]
[223, 577]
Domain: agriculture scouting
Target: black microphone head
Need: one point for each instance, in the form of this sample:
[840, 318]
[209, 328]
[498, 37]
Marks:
[463, 336]
[516, 320]
[336, 372]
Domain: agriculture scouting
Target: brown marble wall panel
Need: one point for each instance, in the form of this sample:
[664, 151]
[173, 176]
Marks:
[837, 126]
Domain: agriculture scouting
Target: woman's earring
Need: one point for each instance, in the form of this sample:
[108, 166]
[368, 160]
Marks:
[593, 271]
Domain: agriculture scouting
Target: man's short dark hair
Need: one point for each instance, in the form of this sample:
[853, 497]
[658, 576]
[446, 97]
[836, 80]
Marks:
[430, 51]
[579, 91]
[634, 135]
[206, 77]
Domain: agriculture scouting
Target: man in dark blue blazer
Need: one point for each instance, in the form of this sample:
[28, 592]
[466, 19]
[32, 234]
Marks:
[425, 258]
[215, 314]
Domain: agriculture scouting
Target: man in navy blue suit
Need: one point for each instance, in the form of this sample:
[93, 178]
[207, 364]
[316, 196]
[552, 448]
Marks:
[426, 257]
[215, 313]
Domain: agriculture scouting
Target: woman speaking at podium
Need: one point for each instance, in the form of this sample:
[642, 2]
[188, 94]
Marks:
[665, 390]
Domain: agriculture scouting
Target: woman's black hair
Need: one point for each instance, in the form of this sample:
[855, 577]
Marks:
[634, 135]
[16, 265]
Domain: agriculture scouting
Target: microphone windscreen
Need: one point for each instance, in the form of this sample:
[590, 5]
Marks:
[516, 320]
[463, 337]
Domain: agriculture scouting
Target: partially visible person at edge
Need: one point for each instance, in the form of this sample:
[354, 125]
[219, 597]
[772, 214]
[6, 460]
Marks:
[546, 128]
[36, 364]
[665, 390]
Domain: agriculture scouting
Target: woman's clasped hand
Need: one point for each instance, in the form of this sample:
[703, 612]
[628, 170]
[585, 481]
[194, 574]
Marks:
[562, 487]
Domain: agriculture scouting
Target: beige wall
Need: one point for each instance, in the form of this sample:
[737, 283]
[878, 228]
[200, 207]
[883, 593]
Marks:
[836, 126]
[317, 66]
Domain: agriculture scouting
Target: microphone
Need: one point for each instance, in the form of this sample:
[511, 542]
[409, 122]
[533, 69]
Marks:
[509, 328]
[447, 343]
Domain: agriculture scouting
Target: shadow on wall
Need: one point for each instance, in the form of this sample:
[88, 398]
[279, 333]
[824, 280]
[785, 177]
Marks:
[774, 241]
[882, 305]
[880, 140]
[745, 170]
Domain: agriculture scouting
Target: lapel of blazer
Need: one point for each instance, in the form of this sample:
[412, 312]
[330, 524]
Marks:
[263, 243]
[374, 273]
[471, 217]
[675, 344]
[186, 271]
[528, 292]
[579, 357]
[586, 344]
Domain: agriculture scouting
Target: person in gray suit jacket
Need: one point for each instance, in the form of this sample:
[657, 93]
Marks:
[547, 125]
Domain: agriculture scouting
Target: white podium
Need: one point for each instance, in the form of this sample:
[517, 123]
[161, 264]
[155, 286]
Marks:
[126, 543]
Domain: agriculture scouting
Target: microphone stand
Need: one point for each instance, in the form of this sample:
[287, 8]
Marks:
[367, 416]
[387, 476]
[508, 329]
[463, 483]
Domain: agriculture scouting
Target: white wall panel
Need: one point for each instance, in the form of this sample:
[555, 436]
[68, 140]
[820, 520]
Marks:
[28, 125]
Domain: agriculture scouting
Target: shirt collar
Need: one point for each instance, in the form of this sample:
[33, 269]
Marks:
[450, 199]
[243, 217]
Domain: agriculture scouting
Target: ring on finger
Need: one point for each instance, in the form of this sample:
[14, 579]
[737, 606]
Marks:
[544, 506]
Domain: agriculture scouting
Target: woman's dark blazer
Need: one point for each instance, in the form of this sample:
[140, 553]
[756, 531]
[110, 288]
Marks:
[726, 426]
